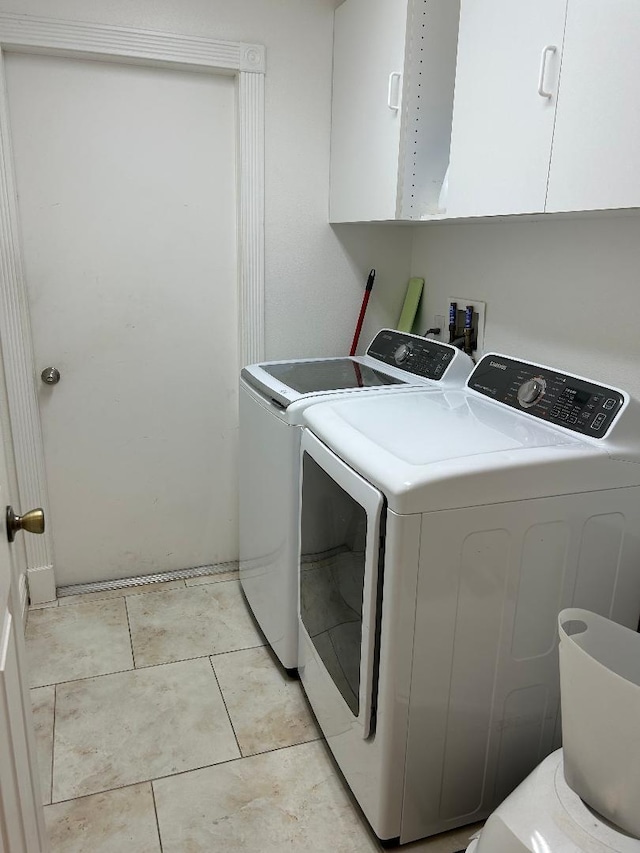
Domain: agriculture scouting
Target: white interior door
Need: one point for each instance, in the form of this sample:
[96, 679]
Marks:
[127, 199]
[21, 815]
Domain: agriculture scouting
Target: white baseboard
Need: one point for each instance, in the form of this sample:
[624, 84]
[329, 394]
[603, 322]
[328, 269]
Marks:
[42, 584]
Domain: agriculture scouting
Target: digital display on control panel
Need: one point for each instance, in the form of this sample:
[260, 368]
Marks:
[580, 398]
[554, 397]
[420, 356]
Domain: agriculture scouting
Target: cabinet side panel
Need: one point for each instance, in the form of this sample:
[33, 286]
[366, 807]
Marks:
[369, 45]
[432, 38]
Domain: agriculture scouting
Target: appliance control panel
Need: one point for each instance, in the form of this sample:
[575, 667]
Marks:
[551, 396]
[420, 356]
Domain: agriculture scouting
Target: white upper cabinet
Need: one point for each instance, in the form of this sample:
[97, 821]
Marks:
[368, 72]
[596, 146]
[546, 114]
[505, 100]
[393, 77]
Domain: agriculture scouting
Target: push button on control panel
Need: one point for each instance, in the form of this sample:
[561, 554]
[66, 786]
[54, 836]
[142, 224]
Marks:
[598, 421]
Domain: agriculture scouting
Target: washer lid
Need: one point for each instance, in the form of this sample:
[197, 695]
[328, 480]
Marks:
[429, 451]
[393, 360]
[290, 380]
[328, 375]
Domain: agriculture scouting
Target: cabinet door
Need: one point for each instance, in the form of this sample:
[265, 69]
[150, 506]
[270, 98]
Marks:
[502, 125]
[594, 164]
[369, 47]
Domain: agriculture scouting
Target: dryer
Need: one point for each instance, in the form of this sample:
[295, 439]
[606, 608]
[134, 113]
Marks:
[441, 534]
[273, 397]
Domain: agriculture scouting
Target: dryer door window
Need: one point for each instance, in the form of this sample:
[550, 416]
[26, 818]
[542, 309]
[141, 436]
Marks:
[338, 580]
[333, 536]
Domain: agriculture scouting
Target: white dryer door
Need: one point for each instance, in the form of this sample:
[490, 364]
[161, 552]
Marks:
[340, 526]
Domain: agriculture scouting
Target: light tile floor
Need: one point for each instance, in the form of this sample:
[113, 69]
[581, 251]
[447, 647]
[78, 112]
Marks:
[164, 725]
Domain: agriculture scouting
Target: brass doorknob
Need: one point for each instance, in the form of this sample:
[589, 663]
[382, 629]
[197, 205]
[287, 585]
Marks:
[32, 522]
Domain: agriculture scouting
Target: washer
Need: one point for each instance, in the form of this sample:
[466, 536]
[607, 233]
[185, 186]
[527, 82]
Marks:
[441, 534]
[273, 397]
[544, 815]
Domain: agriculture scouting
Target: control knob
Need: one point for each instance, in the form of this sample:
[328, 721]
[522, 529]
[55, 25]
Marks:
[403, 352]
[531, 391]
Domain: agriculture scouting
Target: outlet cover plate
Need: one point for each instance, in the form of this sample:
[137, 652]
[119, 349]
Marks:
[479, 310]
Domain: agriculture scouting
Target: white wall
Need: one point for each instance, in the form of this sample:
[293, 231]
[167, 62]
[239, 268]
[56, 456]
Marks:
[387, 249]
[315, 275]
[561, 292]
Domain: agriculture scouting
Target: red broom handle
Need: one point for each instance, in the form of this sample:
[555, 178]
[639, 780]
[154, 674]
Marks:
[363, 311]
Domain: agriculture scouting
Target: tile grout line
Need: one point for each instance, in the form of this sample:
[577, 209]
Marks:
[190, 770]
[53, 738]
[145, 666]
[224, 702]
[205, 655]
[155, 809]
[87, 677]
[133, 654]
[319, 739]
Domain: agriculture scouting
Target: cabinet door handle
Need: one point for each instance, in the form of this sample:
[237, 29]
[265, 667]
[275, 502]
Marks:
[550, 48]
[395, 106]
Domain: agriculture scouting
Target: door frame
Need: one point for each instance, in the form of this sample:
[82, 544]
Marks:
[246, 62]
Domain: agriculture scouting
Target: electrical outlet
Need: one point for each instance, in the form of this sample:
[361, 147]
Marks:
[479, 309]
[438, 323]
